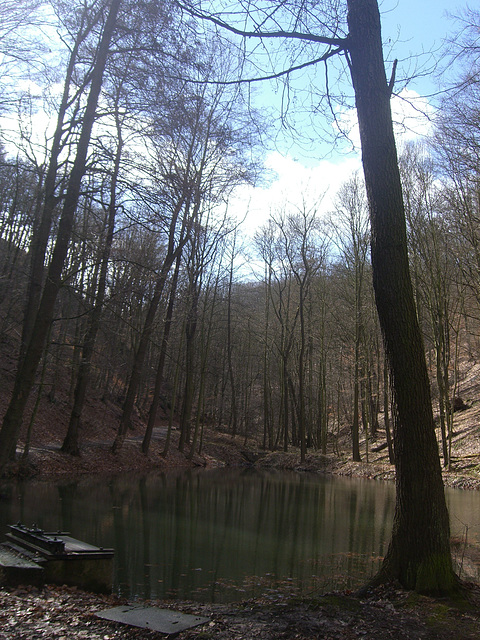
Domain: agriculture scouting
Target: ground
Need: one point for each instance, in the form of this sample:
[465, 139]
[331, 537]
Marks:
[65, 613]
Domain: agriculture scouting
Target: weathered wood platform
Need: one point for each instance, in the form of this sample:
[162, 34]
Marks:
[61, 558]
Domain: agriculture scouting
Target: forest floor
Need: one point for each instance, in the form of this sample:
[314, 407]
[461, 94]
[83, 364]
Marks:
[388, 612]
[62, 613]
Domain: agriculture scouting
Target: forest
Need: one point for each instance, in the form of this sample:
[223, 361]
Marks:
[126, 273]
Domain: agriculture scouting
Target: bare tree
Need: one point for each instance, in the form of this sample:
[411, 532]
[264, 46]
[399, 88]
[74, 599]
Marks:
[28, 366]
[433, 250]
[53, 184]
[71, 442]
[351, 229]
[305, 251]
[20, 43]
[419, 552]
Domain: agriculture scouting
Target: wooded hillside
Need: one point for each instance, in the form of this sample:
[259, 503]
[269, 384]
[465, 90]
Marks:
[155, 309]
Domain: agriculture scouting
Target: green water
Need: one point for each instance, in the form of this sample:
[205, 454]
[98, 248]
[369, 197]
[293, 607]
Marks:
[225, 535]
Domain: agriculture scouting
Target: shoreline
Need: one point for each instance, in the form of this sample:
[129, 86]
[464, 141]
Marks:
[48, 463]
[64, 612]
[69, 613]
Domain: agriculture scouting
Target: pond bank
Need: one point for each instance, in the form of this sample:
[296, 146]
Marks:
[221, 450]
[60, 612]
[456, 478]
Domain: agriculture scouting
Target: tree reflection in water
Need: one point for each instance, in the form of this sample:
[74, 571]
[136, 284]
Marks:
[226, 535]
[221, 535]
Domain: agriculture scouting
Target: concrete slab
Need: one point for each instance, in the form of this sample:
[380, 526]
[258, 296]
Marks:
[162, 620]
[15, 569]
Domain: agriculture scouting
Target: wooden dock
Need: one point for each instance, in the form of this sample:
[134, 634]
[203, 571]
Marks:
[31, 555]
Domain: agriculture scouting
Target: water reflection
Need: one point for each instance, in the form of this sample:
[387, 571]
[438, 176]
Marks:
[218, 536]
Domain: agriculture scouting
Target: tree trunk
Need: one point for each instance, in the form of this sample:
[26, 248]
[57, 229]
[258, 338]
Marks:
[386, 401]
[204, 348]
[419, 551]
[71, 442]
[190, 352]
[140, 358]
[356, 401]
[267, 416]
[172, 254]
[25, 376]
[152, 414]
[41, 234]
[231, 376]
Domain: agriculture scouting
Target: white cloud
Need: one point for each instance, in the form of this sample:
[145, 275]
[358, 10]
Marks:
[294, 184]
[318, 185]
[411, 114]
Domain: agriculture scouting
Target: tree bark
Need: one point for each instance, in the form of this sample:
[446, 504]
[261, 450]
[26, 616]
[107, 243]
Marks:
[419, 551]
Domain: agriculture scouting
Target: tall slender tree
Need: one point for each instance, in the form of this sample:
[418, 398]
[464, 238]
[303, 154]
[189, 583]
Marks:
[350, 225]
[71, 443]
[25, 376]
[53, 185]
[419, 552]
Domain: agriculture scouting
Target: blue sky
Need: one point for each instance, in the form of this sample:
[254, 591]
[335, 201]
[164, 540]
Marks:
[422, 23]
[417, 27]
[416, 30]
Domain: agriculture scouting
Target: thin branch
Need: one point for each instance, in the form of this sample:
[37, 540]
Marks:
[273, 76]
[293, 35]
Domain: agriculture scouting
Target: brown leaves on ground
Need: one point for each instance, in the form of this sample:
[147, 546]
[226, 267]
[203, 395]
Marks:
[27, 613]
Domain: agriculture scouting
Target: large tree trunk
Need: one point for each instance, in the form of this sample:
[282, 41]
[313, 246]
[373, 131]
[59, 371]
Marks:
[419, 552]
[25, 376]
[41, 234]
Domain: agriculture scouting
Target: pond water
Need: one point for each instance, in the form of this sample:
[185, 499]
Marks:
[226, 535]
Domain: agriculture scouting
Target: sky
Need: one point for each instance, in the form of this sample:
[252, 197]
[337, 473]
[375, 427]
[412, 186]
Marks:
[411, 30]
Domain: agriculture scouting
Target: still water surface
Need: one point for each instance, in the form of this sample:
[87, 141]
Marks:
[226, 535]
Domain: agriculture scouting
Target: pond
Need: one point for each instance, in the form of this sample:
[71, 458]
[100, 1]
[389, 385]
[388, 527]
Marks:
[226, 535]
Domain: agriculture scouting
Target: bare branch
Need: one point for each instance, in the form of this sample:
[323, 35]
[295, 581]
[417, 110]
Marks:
[273, 76]
[341, 43]
[392, 77]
